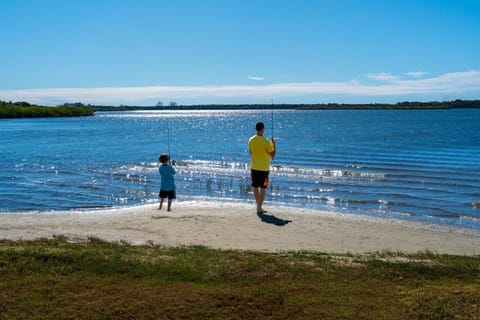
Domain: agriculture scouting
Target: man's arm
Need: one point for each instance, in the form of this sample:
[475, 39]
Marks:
[274, 152]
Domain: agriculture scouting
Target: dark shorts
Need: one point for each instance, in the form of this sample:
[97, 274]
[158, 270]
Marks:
[167, 194]
[260, 179]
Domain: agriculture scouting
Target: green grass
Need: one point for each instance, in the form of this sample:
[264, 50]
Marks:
[56, 279]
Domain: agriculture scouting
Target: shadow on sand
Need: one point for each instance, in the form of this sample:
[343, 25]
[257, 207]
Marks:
[271, 219]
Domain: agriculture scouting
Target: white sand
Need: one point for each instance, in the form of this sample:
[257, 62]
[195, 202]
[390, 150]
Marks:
[237, 226]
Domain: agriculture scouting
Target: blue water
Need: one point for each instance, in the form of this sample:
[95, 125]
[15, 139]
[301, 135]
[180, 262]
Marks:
[415, 165]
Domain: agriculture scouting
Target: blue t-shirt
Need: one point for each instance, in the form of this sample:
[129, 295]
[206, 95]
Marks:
[167, 172]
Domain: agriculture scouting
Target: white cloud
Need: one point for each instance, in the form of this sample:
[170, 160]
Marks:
[382, 76]
[416, 74]
[450, 83]
[254, 78]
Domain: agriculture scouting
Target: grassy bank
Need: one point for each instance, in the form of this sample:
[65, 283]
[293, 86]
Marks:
[56, 279]
[26, 110]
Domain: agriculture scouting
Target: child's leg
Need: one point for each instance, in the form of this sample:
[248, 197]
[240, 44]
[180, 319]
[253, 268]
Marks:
[171, 196]
[161, 203]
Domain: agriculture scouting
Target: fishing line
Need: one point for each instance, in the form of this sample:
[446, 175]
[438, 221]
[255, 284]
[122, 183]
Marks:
[272, 119]
[168, 141]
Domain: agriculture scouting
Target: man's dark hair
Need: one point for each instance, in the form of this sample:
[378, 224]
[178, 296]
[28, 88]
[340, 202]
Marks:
[259, 126]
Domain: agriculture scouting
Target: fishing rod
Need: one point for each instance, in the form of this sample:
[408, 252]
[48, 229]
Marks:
[168, 141]
[272, 119]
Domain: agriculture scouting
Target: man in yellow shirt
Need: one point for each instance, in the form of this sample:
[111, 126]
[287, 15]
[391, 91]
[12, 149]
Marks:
[261, 150]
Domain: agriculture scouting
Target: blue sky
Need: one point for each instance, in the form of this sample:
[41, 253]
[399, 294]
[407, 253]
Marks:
[192, 51]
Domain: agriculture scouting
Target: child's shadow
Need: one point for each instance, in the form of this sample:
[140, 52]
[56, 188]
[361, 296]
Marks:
[271, 219]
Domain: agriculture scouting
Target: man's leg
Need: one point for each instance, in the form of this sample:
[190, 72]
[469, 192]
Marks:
[256, 193]
[259, 197]
[262, 197]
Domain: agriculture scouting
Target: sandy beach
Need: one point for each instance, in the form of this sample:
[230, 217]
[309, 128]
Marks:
[237, 226]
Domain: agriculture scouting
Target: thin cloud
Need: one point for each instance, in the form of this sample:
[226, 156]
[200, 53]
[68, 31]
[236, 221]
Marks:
[416, 74]
[254, 78]
[382, 76]
[450, 83]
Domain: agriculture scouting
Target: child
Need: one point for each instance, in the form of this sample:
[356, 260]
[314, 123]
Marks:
[167, 188]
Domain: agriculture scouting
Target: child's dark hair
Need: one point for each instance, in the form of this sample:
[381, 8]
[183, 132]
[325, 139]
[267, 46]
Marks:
[163, 158]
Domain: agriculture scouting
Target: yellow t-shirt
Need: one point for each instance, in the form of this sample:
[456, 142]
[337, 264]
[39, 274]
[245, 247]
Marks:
[260, 149]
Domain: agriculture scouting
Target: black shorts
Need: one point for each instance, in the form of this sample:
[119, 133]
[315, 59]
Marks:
[170, 194]
[260, 179]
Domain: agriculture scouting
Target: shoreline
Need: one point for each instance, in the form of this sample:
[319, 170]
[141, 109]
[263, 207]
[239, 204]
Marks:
[405, 105]
[237, 226]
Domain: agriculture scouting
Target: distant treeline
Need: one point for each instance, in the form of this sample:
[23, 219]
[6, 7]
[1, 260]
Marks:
[27, 110]
[456, 104]
[407, 105]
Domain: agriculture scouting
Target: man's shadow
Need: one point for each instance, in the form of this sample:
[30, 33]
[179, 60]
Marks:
[271, 219]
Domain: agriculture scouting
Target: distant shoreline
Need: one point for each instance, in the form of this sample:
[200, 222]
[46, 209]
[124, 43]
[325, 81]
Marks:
[457, 104]
[9, 110]
[13, 110]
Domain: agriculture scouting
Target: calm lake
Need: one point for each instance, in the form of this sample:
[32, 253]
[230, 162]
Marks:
[410, 164]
